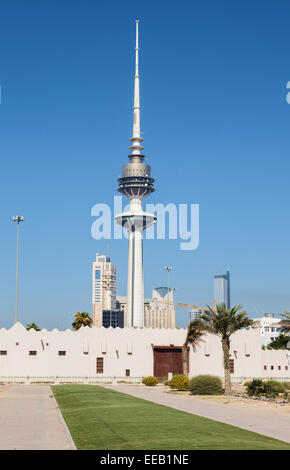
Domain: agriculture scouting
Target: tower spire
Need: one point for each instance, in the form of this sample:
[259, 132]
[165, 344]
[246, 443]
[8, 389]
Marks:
[136, 140]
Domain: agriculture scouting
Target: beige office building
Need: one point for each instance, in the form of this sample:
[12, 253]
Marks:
[159, 312]
[104, 288]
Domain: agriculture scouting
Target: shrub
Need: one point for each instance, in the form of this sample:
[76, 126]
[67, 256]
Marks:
[179, 382]
[150, 381]
[206, 385]
[287, 385]
[269, 388]
[254, 387]
[272, 388]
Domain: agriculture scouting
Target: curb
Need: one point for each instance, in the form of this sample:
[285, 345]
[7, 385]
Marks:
[70, 439]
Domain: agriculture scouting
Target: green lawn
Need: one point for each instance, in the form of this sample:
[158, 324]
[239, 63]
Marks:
[99, 418]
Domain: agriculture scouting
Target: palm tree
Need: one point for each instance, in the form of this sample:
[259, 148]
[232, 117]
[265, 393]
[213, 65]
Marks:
[224, 322]
[82, 319]
[285, 323]
[195, 331]
[32, 326]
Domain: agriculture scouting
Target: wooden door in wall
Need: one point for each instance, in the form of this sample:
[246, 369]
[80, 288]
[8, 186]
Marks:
[167, 359]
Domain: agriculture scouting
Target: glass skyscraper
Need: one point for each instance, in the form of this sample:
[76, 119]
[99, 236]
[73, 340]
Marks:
[222, 289]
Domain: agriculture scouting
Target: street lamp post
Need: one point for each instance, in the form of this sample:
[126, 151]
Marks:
[168, 269]
[18, 219]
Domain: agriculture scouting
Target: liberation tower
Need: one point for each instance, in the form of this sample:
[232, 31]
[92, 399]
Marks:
[136, 183]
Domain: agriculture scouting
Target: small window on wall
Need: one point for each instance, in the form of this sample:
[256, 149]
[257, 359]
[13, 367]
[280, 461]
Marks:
[100, 365]
[127, 372]
[232, 366]
[3, 353]
[265, 367]
[272, 367]
[279, 367]
[286, 367]
[62, 353]
[32, 353]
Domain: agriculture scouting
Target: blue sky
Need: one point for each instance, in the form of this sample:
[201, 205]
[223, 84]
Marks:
[216, 126]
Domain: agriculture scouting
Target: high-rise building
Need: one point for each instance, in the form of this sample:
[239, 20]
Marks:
[113, 318]
[104, 288]
[159, 312]
[195, 313]
[121, 303]
[222, 289]
[136, 183]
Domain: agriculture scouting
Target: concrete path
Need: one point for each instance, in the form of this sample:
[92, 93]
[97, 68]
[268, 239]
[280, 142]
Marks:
[269, 424]
[30, 419]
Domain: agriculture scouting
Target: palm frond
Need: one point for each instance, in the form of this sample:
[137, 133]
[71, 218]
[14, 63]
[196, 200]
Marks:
[285, 322]
[195, 331]
[224, 322]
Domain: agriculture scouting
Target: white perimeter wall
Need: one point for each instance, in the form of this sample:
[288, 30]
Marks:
[129, 348]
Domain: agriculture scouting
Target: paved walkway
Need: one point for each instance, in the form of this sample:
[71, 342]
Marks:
[30, 420]
[269, 424]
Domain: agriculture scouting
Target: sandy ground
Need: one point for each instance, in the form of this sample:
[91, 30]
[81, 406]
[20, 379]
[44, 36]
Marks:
[266, 406]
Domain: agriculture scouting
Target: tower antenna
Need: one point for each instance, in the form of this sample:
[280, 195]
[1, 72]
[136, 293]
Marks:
[136, 140]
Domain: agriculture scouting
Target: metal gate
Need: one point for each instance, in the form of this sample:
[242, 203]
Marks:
[167, 359]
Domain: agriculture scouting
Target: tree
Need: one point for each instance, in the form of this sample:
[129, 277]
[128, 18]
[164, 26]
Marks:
[285, 322]
[32, 326]
[195, 331]
[82, 319]
[279, 343]
[224, 323]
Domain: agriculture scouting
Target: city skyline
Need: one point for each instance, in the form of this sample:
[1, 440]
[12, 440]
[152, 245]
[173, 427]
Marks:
[65, 115]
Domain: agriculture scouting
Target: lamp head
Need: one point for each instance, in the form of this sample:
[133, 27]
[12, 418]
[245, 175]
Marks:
[18, 218]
